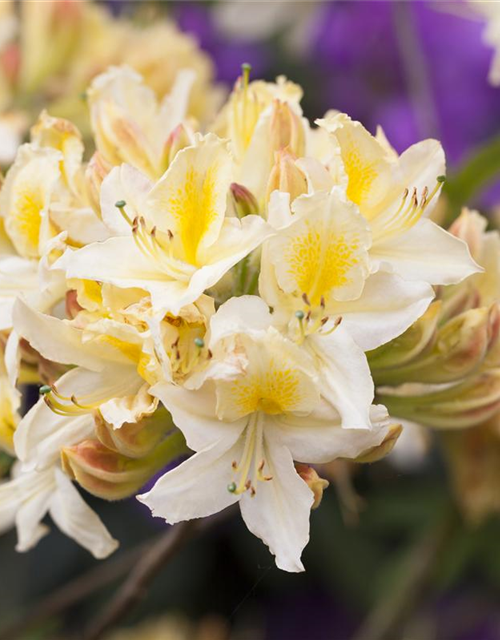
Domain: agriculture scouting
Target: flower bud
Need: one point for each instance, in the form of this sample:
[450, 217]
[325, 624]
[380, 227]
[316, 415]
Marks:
[243, 201]
[180, 138]
[462, 405]
[473, 457]
[97, 169]
[460, 346]
[286, 176]
[113, 476]
[135, 439]
[374, 454]
[313, 481]
[286, 130]
[412, 343]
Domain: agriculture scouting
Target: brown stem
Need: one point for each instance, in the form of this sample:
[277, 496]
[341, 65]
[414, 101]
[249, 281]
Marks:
[135, 587]
[64, 597]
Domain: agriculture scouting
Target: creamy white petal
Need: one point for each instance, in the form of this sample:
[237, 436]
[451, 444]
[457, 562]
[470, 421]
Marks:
[77, 520]
[319, 436]
[194, 413]
[344, 377]
[196, 488]
[130, 185]
[239, 315]
[56, 339]
[427, 253]
[279, 512]
[388, 306]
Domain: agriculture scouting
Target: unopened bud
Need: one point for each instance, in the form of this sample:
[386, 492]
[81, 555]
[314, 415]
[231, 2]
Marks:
[374, 454]
[313, 481]
[97, 169]
[111, 475]
[470, 226]
[180, 138]
[286, 130]
[462, 405]
[409, 345]
[243, 201]
[473, 457]
[286, 176]
[135, 439]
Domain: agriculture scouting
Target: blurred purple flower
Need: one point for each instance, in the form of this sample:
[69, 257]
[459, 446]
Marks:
[414, 67]
[228, 54]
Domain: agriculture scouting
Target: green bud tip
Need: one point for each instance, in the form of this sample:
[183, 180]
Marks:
[231, 487]
[441, 178]
[120, 204]
[246, 67]
[199, 342]
[45, 389]
[299, 315]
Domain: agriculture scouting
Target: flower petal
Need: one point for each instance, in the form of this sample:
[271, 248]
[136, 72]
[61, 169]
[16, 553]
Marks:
[427, 253]
[279, 511]
[194, 413]
[345, 377]
[196, 488]
[77, 520]
[388, 306]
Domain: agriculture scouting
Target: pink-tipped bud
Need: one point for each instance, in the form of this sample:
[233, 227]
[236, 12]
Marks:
[180, 138]
[313, 481]
[286, 176]
[286, 130]
[111, 475]
[243, 201]
[135, 439]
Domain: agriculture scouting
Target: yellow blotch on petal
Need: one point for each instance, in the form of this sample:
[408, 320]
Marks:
[318, 264]
[194, 205]
[24, 221]
[274, 391]
[360, 174]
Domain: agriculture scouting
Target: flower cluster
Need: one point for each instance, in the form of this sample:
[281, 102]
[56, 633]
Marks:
[50, 51]
[207, 294]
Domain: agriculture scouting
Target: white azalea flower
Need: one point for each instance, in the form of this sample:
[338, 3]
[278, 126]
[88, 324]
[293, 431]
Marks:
[319, 263]
[30, 495]
[395, 194]
[247, 428]
[130, 124]
[175, 234]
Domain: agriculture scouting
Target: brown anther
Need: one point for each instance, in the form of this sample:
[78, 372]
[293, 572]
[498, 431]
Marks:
[261, 465]
[324, 320]
[170, 234]
[234, 465]
[405, 194]
[338, 321]
[74, 400]
[248, 484]
[142, 221]
[322, 302]
[308, 316]
[209, 354]
[252, 492]
[153, 232]
[305, 298]
[425, 192]
[176, 342]
[267, 478]
[177, 355]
